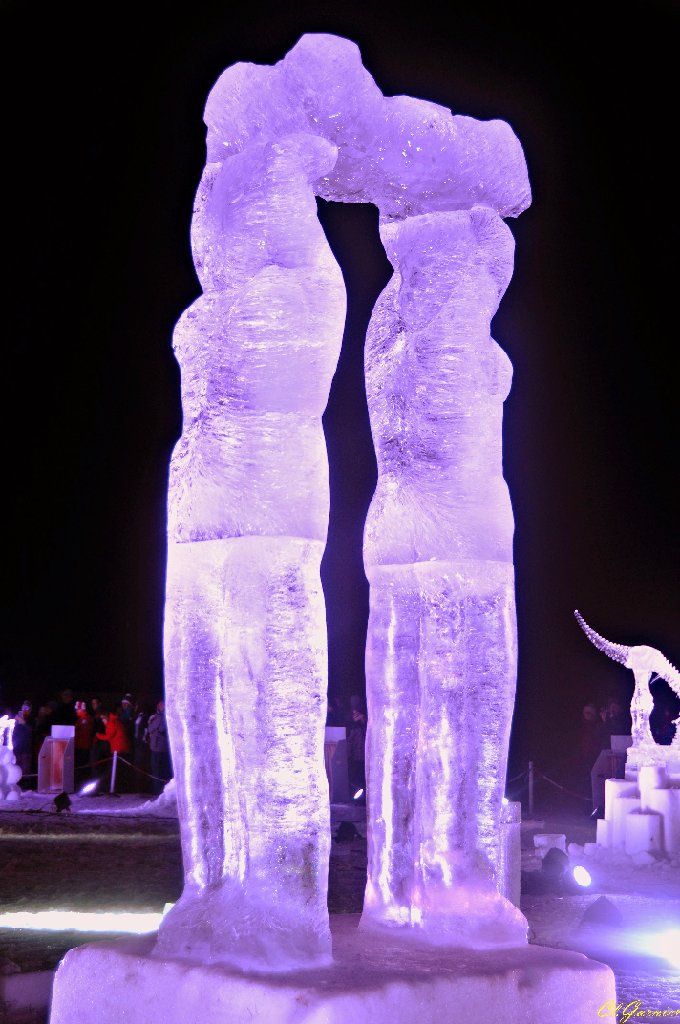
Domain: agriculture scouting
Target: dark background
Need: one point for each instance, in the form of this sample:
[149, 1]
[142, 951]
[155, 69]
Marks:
[103, 149]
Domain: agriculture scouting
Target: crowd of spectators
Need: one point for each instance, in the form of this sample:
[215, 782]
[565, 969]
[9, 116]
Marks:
[134, 730]
[596, 758]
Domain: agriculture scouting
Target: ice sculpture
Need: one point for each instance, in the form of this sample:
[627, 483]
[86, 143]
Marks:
[10, 773]
[441, 651]
[6, 730]
[642, 814]
[647, 665]
[245, 646]
[245, 642]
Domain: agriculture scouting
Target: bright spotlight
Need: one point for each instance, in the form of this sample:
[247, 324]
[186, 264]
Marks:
[89, 787]
[581, 876]
[667, 945]
[359, 793]
[73, 920]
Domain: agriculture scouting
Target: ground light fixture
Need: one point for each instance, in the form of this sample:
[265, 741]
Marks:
[581, 876]
[62, 802]
[559, 874]
[555, 864]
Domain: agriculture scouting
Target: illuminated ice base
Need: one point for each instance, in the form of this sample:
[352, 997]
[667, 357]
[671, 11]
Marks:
[372, 980]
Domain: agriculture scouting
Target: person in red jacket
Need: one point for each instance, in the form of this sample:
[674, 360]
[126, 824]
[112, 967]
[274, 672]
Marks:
[83, 739]
[114, 733]
[116, 736]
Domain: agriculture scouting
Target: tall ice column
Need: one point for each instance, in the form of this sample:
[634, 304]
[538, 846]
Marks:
[441, 648]
[245, 629]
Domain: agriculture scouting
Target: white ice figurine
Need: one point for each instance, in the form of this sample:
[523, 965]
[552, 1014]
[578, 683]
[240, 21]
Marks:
[647, 665]
[10, 772]
[245, 636]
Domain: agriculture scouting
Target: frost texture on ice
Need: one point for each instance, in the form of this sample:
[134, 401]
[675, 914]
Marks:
[441, 649]
[245, 629]
[245, 635]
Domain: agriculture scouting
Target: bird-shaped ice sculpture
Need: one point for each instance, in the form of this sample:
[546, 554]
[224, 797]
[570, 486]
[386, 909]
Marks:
[647, 665]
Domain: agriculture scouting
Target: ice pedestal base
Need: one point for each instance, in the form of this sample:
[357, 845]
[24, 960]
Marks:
[371, 981]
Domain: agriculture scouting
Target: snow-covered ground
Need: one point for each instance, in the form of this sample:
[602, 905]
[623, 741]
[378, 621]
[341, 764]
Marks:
[122, 852]
[629, 916]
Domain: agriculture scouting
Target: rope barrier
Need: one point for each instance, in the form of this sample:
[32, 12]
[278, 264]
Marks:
[564, 789]
[157, 778]
[524, 776]
[108, 760]
[141, 771]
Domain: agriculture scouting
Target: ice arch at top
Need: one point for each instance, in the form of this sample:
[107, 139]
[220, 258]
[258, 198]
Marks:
[406, 156]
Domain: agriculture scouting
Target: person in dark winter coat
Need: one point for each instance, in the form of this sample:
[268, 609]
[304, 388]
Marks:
[126, 715]
[356, 744]
[142, 757]
[65, 709]
[100, 751]
[83, 740]
[617, 719]
[159, 746]
[22, 740]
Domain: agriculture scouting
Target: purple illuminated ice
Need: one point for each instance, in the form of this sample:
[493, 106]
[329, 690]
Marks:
[245, 632]
[647, 665]
[441, 650]
[245, 639]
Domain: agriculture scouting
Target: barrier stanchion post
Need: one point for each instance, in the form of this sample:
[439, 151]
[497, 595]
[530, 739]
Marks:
[114, 767]
[531, 789]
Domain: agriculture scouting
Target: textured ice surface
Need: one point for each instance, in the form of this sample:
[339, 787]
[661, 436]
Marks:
[371, 982]
[245, 630]
[245, 639]
[406, 155]
[441, 650]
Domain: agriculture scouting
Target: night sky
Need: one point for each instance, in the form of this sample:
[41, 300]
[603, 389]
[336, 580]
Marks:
[103, 150]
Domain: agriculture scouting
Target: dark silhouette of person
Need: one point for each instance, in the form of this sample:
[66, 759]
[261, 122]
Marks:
[356, 747]
[22, 742]
[100, 751]
[617, 720]
[159, 747]
[83, 739]
[592, 738]
[65, 710]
